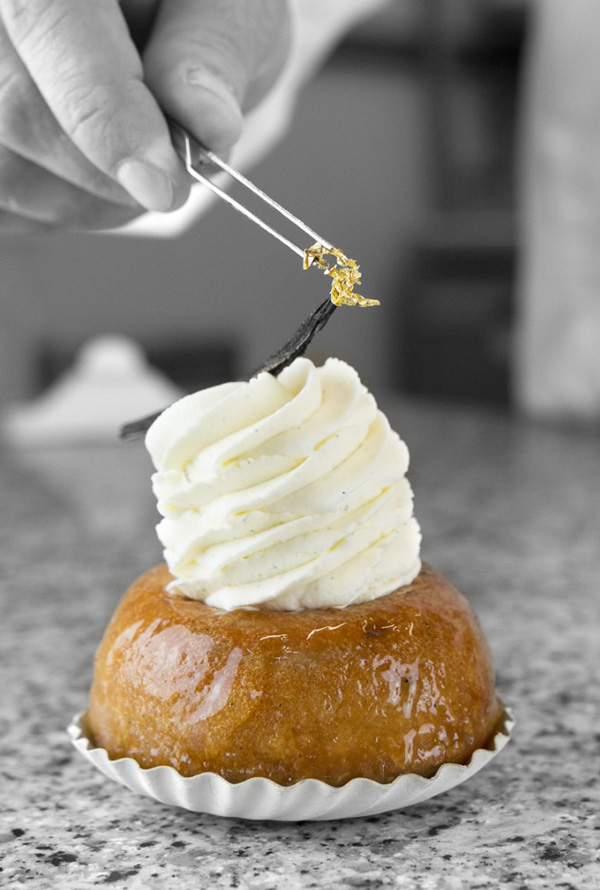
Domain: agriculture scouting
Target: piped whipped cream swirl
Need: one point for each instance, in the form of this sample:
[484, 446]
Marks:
[285, 492]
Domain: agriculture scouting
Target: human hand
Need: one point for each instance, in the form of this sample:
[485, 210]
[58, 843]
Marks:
[84, 88]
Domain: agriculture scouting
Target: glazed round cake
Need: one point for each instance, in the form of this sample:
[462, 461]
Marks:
[400, 684]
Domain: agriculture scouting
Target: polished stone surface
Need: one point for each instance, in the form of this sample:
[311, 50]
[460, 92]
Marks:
[510, 512]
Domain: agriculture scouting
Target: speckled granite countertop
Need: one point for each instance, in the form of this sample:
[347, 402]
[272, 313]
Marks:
[510, 512]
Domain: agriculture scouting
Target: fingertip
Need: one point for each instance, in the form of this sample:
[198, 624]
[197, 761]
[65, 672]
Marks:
[149, 186]
[181, 188]
[155, 178]
[203, 103]
[218, 120]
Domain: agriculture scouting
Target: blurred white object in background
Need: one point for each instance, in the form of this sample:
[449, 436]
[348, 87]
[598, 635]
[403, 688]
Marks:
[109, 384]
[558, 333]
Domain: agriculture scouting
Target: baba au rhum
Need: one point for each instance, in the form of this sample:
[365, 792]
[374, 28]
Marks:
[293, 632]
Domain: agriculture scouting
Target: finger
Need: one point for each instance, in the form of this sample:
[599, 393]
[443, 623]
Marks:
[30, 192]
[86, 67]
[28, 127]
[207, 60]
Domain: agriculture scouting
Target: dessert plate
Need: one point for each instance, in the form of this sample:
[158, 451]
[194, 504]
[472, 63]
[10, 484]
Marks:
[258, 798]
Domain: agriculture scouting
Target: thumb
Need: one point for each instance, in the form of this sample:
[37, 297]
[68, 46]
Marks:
[208, 60]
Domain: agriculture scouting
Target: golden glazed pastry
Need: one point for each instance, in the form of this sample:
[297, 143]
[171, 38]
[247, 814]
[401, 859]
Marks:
[293, 632]
[399, 684]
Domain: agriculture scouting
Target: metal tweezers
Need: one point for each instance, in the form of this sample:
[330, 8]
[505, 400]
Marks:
[194, 154]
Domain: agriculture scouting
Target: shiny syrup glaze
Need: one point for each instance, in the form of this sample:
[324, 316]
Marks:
[400, 684]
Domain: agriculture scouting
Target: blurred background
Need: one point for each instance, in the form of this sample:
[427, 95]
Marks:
[401, 152]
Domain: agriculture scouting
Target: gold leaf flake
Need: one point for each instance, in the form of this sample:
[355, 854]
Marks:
[345, 273]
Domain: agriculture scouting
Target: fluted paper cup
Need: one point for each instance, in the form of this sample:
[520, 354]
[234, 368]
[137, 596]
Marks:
[258, 798]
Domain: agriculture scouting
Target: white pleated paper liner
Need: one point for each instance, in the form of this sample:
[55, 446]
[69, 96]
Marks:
[258, 798]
